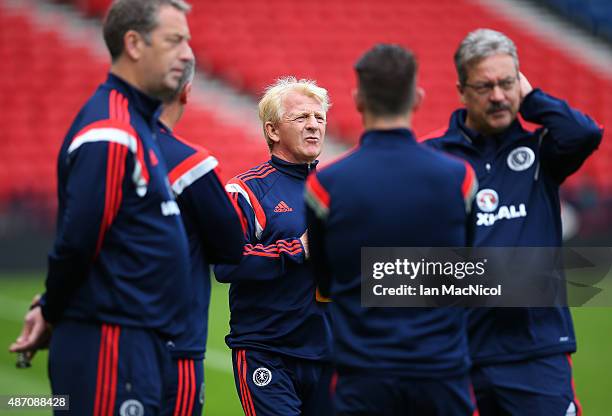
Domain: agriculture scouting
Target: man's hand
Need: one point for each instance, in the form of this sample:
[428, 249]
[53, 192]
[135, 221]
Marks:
[525, 86]
[35, 334]
[304, 240]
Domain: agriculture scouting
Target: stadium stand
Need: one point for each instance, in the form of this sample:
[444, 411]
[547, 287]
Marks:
[593, 15]
[44, 80]
[248, 43]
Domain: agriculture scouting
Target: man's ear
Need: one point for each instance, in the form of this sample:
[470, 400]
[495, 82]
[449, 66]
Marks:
[272, 132]
[133, 44]
[358, 100]
[185, 93]
[460, 90]
[419, 97]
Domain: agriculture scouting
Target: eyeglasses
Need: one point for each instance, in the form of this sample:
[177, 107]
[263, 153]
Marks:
[485, 88]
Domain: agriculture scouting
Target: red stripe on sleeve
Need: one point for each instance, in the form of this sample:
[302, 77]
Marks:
[467, 188]
[120, 115]
[120, 175]
[317, 190]
[257, 209]
[186, 165]
[263, 174]
[141, 159]
[243, 221]
[107, 196]
[254, 172]
[273, 250]
[113, 193]
[101, 124]
[126, 111]
[112, 114]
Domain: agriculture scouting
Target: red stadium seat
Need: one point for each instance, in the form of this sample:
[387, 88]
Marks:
[43, 86]
[250, 43]
[257, 41]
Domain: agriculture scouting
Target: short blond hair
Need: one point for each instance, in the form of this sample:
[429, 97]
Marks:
[271, 104]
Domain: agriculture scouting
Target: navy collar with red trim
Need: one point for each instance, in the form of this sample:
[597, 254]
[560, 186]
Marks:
[297, 170]
[480, 141]
[150, 107]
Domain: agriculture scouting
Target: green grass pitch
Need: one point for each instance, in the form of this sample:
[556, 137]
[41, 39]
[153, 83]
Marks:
[593, 362]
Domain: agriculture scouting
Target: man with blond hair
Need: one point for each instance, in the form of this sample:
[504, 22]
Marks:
[278, 330]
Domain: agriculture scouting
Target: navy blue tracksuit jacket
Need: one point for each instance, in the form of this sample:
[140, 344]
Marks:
[120, 254]
[519, 173]
[272, 295]
[389, 192]
[213, 229]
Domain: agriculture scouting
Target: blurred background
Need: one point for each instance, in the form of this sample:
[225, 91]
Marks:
[52, 57]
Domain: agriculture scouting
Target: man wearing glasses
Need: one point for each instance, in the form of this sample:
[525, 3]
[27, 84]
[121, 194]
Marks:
[521, 356]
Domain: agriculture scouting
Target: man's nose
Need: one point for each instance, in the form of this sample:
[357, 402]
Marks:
[497, 93]
[187, 53]
[311, 122]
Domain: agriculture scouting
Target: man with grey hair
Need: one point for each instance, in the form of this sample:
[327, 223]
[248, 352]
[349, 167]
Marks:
[215, 236]
[521, 356]
[279, 332]
[118, 271]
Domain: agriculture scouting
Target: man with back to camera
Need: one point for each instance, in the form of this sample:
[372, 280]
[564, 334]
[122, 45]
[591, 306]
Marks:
[390, 192]
[118, 271]
[215, 235]
[279, 334]
[521, 356]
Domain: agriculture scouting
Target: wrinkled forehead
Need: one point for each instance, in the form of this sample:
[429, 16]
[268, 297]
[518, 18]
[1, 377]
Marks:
[295, 101]
[492, 68]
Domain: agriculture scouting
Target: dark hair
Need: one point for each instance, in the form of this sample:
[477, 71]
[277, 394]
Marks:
[387, 79]
[138, 15]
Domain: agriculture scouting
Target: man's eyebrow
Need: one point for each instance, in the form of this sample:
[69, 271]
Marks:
[307, 113]
[177, 35]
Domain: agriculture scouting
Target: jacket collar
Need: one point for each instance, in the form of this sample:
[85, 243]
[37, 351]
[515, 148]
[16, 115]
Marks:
[149, 107]
[297, 170]
[163, 128]
[400, 135]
